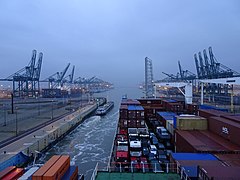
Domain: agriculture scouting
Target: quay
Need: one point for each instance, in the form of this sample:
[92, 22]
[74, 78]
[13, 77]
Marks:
[40, 140]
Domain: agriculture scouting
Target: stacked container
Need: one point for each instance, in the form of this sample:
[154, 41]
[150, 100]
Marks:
[56, 168]
[188, 163]
[192, 109]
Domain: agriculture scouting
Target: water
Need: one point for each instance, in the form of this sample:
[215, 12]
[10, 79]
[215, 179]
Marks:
[91, 141]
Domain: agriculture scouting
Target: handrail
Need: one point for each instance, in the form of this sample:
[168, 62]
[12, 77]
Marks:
[109, 161]
[94, 174]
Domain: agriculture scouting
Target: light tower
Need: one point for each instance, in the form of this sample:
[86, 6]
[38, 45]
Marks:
[149, 89]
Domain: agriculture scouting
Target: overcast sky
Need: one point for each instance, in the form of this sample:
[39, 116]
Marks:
[111, 38]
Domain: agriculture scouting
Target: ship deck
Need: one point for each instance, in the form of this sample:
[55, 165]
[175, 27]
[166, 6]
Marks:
[104, 175]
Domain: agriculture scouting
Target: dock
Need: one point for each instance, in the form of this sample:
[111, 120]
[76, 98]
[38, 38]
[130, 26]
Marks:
[44, 137]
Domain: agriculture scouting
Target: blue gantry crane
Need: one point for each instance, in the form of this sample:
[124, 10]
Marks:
[26, 80]
[56, 80]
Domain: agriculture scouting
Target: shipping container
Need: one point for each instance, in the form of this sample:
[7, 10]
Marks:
[209, 107]
[188, 162]
[163, 117]
[14, 174]
[170, 127]
[157, 102]
[58, 169]
[71, 174]
[215, 172]
[206, 113]
[191, 122]
[229, 159]
[235, 118]
[192, 156]
[38, 175]
[27, 175]
[7, 171]
[203, 142]
[192, 109]
[226, 128]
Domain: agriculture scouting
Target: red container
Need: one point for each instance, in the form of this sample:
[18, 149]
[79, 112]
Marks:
[123, 112]
[7, 171]
[229, 159]
[235, 118]
[211, 112]
[14, 174]
[155, 102]
[216, 172]
[203, 142]
[226, 128]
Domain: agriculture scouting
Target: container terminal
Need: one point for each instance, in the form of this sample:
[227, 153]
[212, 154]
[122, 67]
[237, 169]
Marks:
[171, 136]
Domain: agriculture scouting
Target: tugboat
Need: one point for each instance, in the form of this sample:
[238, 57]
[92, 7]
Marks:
[102, 110]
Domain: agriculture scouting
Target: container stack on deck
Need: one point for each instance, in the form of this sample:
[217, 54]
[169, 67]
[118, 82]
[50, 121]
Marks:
[206, 136]
[57, 167]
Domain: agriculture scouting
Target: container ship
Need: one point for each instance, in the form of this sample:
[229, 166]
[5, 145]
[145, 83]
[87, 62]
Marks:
[168, 139]
[104, 109]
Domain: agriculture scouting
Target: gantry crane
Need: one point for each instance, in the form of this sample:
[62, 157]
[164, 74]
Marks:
[26, 80]
[56, 80]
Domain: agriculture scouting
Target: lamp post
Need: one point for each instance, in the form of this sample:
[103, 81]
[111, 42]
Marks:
[16, 108]
[52, 110]
[5, 116]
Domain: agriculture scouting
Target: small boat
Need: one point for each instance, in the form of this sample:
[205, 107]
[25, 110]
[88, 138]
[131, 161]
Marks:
[102, 110]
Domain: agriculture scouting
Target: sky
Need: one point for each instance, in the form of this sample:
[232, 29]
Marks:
[110, 39]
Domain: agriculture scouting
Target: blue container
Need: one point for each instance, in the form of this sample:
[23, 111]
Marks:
[69, 173]
[135, 108]
[171, 101]
[205, 106]
[193, 156]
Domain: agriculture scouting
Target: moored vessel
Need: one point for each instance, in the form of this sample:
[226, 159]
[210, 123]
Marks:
[104, 109]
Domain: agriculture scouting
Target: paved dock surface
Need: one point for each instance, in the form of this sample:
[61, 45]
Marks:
[31, 113]
[21, 144]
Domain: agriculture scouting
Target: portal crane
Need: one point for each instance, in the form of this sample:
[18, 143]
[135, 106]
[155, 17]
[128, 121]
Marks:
[25, 80]
[68, 80]
[55, 80]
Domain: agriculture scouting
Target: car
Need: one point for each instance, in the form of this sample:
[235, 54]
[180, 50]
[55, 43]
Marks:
[153, 150]
[151, 134]
[145, 151]
[161, 152]
[160, 146]
[135, 153]
[151, 156]
[154, 140]
[162, 158]
[168, 145]
[145, 142]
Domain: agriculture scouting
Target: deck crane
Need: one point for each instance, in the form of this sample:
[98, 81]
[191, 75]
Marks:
[55, 80]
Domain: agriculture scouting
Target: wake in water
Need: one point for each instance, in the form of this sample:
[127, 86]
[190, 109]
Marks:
[89, 143]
